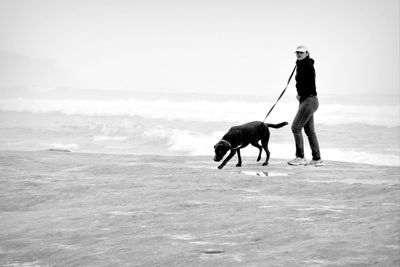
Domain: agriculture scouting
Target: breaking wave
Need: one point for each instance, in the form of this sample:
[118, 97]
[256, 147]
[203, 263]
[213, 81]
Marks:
[195, 144]
[361, 134]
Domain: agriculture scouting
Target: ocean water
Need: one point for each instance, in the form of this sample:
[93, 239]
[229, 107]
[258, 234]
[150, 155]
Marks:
[171, 124]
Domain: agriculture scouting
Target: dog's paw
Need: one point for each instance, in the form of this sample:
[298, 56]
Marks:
[265, 163]
[258, 159]
[220, 166]
[238, 165]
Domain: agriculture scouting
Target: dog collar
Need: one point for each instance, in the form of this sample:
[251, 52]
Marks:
[230, 145]
[226, 142]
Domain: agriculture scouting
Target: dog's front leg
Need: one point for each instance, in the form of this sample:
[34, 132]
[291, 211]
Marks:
[233, 152]
[239, 164]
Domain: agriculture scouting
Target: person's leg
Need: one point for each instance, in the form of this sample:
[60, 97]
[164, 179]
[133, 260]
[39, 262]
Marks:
[298, 136]
[303, 115]
[312, 139]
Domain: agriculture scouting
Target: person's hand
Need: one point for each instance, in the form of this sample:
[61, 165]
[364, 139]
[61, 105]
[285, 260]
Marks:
[298, 97]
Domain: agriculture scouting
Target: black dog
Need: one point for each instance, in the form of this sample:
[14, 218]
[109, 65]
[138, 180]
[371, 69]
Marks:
[241, 136]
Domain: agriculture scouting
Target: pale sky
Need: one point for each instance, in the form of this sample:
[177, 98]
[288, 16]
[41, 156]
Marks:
[216, 46]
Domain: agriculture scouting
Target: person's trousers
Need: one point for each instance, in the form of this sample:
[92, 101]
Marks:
[305, 119]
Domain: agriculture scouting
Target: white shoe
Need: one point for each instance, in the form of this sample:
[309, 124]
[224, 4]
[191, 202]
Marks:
[297, 161]
[316, 163]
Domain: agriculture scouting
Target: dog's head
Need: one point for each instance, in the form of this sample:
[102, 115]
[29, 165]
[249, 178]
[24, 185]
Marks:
[221, 148]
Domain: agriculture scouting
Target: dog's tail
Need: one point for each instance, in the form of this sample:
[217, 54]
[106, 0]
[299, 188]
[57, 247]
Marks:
[279, 125]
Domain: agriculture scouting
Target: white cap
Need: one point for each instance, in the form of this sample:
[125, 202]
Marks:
[301, 48]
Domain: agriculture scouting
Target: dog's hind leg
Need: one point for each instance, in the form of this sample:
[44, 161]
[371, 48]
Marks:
[264, 142]
[257, 145]
[239, 164]
[268, 155]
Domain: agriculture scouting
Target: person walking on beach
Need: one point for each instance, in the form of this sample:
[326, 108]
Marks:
[307, 96]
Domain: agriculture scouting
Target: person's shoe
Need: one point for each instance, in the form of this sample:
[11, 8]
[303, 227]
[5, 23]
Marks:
[316, 163]
[297, 161]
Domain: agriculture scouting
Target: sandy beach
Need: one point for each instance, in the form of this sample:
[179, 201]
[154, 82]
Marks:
[110, 112]
[75, 209]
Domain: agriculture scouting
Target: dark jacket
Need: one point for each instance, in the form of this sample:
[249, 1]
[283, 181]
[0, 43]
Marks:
[305, 78]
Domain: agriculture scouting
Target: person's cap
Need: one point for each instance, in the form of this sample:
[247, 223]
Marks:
[302, 49]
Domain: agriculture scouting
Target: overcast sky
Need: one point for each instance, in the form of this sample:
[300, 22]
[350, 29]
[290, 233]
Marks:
[216, 46]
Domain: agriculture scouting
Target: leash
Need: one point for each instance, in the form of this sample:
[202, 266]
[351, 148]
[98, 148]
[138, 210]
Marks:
[279, 98]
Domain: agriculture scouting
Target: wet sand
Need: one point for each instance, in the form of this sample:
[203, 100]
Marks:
[71, 209]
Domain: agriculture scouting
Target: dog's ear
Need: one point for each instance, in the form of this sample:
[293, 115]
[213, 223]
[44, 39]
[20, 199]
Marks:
[219, 142]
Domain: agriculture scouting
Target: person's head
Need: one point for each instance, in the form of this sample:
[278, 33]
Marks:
[302, 52]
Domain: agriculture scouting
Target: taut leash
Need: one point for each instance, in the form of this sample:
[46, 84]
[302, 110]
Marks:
[284, 90]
